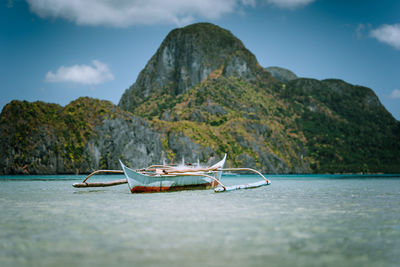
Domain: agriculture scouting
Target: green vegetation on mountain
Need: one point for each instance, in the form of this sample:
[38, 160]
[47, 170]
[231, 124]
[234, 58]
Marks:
[36, 137]
[230, 115]
[187, 57]
[346, 126]
[201, 95]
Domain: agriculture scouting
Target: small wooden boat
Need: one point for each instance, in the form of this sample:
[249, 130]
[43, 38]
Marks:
[165, 178]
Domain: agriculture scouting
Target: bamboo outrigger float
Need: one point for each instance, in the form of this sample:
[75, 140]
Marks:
[164, 178]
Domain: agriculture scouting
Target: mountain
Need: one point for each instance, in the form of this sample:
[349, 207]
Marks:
[87, 134]
[346, 127]
[187, 57]
[201, 95]
[283, 75]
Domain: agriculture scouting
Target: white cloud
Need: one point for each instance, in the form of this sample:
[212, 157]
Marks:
[98, 73]
[129, 12]
[290, 3]
[395, 94]
[389, 34]
[124, 13]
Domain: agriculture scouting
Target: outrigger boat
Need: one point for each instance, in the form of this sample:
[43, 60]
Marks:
[164, 178]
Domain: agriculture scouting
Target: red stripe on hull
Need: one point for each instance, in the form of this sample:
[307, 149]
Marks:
[154, 189]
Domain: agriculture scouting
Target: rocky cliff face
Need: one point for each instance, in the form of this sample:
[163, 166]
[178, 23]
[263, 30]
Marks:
[86, 135]
[202, 95]
[186, 57]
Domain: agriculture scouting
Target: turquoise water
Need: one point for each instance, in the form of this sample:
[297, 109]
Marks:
[296, 221]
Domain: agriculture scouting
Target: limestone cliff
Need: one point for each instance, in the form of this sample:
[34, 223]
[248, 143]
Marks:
[186, 57]
[87, 134]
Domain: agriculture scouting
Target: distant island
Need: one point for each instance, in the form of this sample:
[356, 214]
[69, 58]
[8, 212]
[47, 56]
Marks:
[203, 94]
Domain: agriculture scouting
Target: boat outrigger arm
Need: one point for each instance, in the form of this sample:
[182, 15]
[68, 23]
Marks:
[163, 176]
[263, 182]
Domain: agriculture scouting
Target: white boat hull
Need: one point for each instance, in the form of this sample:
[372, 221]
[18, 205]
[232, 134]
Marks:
[140, 183]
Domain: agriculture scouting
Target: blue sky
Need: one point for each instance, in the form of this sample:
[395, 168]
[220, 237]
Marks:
[59, 50]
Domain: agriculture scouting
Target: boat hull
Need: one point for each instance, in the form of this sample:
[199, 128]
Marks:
[156, 189]
[139, 183]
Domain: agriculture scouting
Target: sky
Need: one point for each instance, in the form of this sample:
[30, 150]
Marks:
[58, 50]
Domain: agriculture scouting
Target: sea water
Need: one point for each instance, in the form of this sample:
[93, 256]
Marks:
[314, 220]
